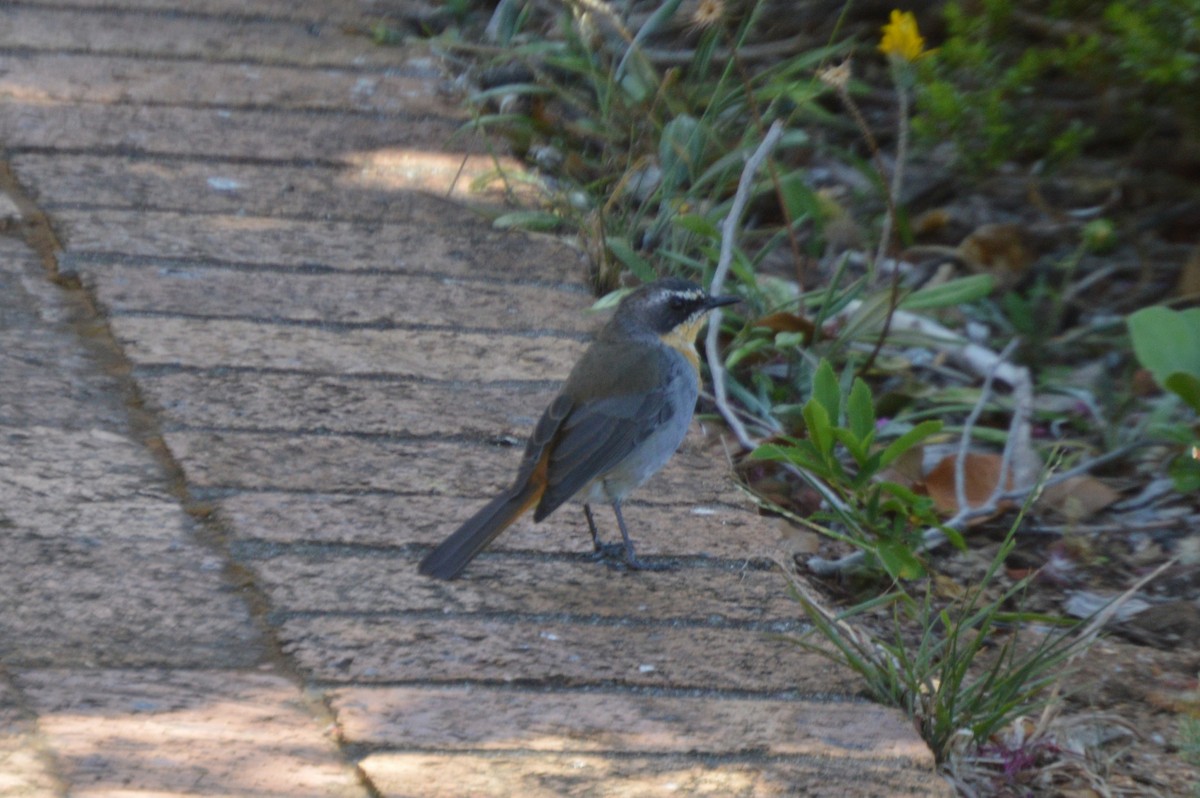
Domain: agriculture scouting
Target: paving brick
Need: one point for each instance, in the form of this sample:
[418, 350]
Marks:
[47, 377]
[298, 402]
[176, 733]
[306, 10]
[387, 649]
[209, 343]
[41, 384]
[336, 463]
[26, 770]
[70, 602]
[376, 187]
[78, 508]
[124, 33]
[55, 77]
[679, 529]
[475, 719]
[42, 465]
[366, 583]
[429, 775]
[467, 249]
[348, 298]
[226, 134]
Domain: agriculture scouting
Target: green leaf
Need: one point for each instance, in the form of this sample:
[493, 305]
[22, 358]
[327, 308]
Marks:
[1185, 473]
[820, 430]
[800, 201]
[700, 225]
[609, 300]
[680, 149]
[951, 293]
[860, 411]
[827, 391]
[479, 98]
[745, 350]
[1187, 386]
[954, 536]
[789, 340]
[905, 495]
[623, 252]
[908, 440]
[898, 560]
[853, 444]
[527, 220]
[772, 451]
[1166, 341]
[801, 453]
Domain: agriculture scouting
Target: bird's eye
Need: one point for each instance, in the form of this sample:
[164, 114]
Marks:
[678, 303]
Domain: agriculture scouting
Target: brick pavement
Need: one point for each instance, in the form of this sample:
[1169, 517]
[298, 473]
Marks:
[223, 456]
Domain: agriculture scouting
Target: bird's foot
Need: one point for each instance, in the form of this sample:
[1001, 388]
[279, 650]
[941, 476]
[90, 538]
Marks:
[617, 557]
[608, 552]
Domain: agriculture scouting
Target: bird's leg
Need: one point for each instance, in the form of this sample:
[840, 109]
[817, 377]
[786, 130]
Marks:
[631, 559]
[602, 551]
[587, 511]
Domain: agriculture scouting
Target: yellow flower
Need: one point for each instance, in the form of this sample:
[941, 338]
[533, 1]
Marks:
[901, 37]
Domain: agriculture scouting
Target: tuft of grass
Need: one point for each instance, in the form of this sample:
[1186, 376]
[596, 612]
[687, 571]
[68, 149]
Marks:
[948, 679]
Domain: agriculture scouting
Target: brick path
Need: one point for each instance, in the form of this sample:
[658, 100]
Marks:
[222, 457]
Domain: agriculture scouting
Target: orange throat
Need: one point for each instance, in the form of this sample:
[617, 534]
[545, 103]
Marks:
[683, 340]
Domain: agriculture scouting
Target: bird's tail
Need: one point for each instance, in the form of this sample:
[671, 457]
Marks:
[452, 555]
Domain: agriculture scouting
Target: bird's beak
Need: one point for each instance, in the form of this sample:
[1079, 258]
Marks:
[719, 301]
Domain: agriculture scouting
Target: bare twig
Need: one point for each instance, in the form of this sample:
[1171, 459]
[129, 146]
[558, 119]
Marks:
[889, 219]
[964, 442]
[728, 236]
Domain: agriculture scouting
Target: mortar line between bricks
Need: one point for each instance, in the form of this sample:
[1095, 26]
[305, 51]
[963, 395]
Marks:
[553, 618]
[95, 337]
[600, 688]
[216, 492]
[263, 549]
[457, 439]
[746, 757]
[175, 12]
[394, 70]
[318, 218]
[152, 155]
[344, 326]
[106, 257]
[156, 370]
[263, 108]
[383, 70]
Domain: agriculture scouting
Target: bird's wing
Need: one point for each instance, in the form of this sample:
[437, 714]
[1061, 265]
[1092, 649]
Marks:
[595, 437]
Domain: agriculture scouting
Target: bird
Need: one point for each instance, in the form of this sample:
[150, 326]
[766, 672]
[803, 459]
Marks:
[619, 417]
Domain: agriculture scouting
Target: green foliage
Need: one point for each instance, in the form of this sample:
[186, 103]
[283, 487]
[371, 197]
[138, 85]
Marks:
[1167, 343]
[988, 83]
[948, 680]
[882, 517]
[1157, 42]
[651, 154]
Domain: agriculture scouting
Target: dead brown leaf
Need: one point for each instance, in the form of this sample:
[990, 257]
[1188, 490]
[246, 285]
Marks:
[782, 321]
[1078, 498]
[981, 475]
[998, 250]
